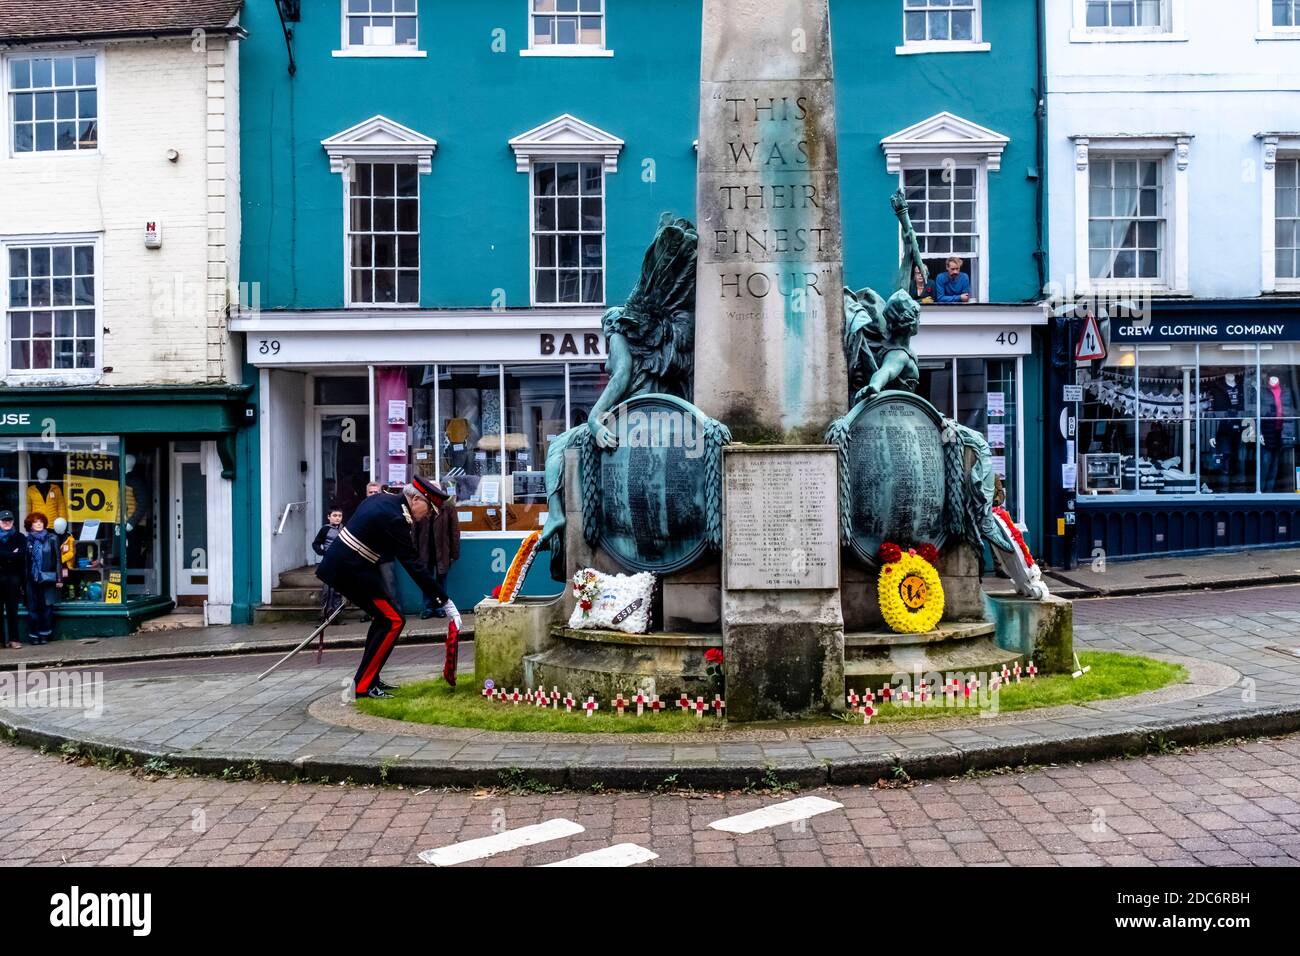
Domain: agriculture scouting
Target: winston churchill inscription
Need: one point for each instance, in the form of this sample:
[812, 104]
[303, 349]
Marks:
[769, 272]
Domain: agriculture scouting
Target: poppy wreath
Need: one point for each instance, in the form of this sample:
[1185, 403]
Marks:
[518, 570]
[909, 590]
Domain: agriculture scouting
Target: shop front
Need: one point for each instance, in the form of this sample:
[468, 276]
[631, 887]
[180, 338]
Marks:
[1187, 430]
[471, 399]
[979, 366]
[136, 484]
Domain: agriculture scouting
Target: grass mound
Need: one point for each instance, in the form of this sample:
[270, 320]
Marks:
[434, 702]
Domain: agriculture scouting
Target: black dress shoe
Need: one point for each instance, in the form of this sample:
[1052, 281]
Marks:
[425, 615]
[377, 693]
[384, 685]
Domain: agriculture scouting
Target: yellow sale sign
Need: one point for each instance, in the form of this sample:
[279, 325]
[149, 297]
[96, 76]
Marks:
[91, 486]
[113, 589]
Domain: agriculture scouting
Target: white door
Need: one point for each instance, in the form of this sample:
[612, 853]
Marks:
[342, 463]
[190, 524]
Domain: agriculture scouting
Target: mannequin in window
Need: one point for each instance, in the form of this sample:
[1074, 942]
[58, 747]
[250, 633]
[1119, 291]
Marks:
[1278, 434]
[139, 505]
[1223, 428]
[46, 496]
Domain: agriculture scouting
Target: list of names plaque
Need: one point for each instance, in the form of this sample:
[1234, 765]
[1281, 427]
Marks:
[781, 530]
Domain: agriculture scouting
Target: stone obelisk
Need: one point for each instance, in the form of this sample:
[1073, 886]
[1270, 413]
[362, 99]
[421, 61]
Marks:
[769, 308]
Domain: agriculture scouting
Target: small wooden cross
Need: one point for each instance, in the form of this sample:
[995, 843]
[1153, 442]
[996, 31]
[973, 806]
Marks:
[555, 697]
[568, 702]
[1032, 671]
[719, 705]
[591, 706]
[516, 697]
[620, 704]
[684, 702]
[639, 700]
[656, 704]
[1016, 671]
[853, 700]
[700, 707]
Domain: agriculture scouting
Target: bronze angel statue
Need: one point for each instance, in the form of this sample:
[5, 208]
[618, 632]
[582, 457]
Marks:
[650, 349]
[878, 332]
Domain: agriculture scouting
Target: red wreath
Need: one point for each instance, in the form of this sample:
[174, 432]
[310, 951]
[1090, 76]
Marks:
[1015, 536]
[928, 551]
[890, 552]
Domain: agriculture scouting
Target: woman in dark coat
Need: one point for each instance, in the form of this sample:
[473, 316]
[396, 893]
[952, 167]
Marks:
[44, 579]
[13, 577]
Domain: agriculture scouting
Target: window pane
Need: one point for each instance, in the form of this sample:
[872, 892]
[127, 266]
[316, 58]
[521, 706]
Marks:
[535, 416]
[470, 443]
[1227, 445]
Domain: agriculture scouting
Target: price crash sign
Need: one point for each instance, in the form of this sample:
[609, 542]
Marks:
[92, 487]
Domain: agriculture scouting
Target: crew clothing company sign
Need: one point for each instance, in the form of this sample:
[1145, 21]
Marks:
[91, 482]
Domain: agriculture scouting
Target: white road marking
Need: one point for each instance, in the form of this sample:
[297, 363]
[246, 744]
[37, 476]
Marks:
[776, 815]
[621, 854]
[501, 842]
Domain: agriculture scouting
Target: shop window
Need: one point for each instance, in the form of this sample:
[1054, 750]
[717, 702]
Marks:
[140, 520]
[76, 483]
[586, 384]
[384, 234]
[937, 383]
[535, 416]
[941, 202]
[470, 443]
[1228, 433]
[341, 390]
[1106, 427]
[53, 103]
[568, 233]
[1279, 409]
[986, 403]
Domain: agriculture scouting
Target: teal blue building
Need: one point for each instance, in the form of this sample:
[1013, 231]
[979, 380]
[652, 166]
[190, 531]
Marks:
[440, 198]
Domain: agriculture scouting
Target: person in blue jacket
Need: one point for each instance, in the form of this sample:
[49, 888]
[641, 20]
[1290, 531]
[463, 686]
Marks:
[44, 579]
[953, 285]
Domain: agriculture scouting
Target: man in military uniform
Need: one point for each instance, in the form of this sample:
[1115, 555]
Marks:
[380, 530]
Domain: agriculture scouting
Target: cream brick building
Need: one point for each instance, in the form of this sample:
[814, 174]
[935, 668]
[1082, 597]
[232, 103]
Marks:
[119, 243]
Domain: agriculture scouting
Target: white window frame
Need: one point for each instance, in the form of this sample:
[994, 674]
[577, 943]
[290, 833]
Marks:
[566, 139]
[532, 236]
[1267, 31]
[980, 292]
[1173, 27]
[7, 142]
[348, 174]
[20, 377]
[568, 49]
[376, 140]
[346, 48]
[974, 45]
[945, 139]
[1274, 146]
[1175, 151]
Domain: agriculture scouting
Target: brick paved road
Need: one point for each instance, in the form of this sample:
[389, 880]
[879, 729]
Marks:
[1229, 804]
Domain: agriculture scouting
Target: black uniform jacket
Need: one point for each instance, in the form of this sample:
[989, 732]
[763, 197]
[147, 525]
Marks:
[379, 530]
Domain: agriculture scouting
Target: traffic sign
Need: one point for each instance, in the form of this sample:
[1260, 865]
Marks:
[1090, 344]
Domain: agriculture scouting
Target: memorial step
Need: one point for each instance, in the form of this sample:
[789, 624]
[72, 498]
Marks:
[946, 631]
[877, 665]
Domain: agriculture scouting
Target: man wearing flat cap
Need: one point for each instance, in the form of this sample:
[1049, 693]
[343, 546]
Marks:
[380, 530]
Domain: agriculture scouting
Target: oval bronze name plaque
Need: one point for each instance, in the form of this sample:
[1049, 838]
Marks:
[897, 469]
[652, 486]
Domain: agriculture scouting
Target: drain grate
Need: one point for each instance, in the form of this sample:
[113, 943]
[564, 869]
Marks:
[1176, 574]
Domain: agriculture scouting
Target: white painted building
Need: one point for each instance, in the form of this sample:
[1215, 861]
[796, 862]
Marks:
[119, 239]
[1173, 154]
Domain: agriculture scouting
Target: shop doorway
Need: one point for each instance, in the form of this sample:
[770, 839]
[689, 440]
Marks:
[189, 487]
[342, 461]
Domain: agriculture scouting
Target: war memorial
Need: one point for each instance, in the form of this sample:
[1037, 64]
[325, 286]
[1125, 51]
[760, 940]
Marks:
[760, 449]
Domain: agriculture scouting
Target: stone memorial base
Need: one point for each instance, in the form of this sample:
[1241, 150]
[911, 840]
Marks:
[782, 626]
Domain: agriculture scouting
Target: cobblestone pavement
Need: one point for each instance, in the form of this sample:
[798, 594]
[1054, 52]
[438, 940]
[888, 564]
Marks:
[1229, 804]
[210, 711]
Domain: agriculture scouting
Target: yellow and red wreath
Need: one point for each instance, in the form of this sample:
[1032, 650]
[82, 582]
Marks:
[909, 589]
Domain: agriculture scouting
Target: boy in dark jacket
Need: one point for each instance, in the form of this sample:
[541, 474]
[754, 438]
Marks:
[13, 577]
[330, 599]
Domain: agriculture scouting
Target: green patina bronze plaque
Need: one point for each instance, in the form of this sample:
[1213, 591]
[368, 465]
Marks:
[653, 486]
[896, 465]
